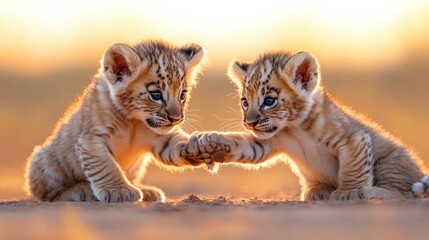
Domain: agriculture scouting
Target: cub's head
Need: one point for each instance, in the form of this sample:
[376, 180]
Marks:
[151, 81]
[276, 90]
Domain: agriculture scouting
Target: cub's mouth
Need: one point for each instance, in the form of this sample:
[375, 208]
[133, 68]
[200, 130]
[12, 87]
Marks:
[271, 129]
[153, 123]
[265, 133]
[266, 129]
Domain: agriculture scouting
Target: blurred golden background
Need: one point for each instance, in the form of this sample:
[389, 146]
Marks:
[374, 57]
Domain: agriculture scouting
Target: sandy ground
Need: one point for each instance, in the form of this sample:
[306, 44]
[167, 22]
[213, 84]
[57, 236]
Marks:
[216, 218]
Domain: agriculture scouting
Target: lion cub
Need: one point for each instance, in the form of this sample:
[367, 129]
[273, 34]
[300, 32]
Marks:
[131, 107]
[338, 154]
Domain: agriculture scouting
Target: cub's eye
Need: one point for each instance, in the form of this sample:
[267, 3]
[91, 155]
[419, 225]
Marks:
[244, 103]
[270, 102]
[183, 96]
[155, 95]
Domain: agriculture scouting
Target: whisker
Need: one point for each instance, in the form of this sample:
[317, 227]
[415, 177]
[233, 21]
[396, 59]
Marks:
[192, 124]
[233, 129]
[184, 127]
[187, 128]
[195, 127]
[195, 116]
[222, 119]
[232, 95]
[193, 120]
[193, 110]
[227, 123]
[231, 125]
[233, 110]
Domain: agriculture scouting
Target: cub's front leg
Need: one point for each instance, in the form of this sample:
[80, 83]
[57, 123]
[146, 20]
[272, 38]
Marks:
[106, 178]
[167, 150]
[355, 158]
[229, 147]
[171, 150]
[136, 174]
[355, 176]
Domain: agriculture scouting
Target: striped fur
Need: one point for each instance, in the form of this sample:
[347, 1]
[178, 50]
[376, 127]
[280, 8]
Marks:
[100, 148]
[337, 153]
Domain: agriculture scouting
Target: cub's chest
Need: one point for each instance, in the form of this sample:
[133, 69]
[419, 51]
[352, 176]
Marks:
[304, 145]
[309, 154]
[127, 145]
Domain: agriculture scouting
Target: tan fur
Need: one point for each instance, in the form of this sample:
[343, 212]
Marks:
[100, 148]
[337, 153]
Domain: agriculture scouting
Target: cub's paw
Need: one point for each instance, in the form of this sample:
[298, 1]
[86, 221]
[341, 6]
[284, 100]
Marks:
[318, 193]
[341, 195]
[214, 142]
[189, 151]
[213, 146]
[381, 193]
[78, 193]
[367, 193]
[124, 193]
[152, 194]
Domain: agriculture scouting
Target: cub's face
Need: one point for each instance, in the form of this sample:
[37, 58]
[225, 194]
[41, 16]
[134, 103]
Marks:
[151, 81]
[276, 91]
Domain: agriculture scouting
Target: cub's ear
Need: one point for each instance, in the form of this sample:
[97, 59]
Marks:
[119, 63]
[302, 72]
[193, 54]
[237, 72]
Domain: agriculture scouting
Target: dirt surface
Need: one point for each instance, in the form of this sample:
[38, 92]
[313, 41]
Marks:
[216, 218]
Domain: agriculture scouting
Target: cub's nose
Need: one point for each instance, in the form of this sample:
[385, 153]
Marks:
[173, 120]
[251, 124]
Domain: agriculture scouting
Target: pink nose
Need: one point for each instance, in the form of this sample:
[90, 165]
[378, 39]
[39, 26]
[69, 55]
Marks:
[173, 120]
[251, 125]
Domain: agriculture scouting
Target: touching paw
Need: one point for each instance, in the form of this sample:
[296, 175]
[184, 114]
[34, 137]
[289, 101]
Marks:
[189, 151]
[206, 147]
[190, 148]
[124, 193]
[213, 146]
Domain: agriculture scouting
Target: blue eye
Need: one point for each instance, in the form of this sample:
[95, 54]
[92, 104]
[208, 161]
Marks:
[182, 96]
[156, 95]
[244, 103]
[270, 102]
